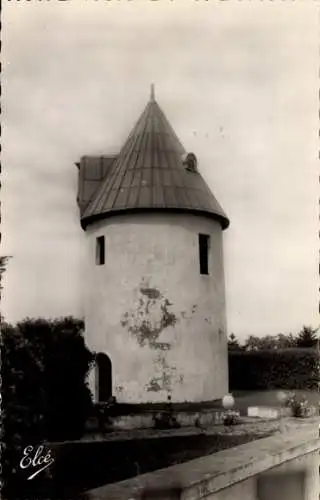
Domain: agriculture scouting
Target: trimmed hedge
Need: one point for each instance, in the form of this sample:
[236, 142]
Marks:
[293, 368]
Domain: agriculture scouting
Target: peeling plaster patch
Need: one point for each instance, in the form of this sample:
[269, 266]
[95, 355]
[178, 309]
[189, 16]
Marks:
[165, 379]
[181, 379]
[151, 317]
[161, 383]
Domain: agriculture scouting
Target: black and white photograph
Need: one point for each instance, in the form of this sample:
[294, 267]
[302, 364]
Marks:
[160, 257]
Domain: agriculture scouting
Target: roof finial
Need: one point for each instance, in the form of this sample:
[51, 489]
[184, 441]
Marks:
[152, 96]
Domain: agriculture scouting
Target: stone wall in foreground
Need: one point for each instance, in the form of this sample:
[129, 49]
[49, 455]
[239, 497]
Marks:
[281, 467]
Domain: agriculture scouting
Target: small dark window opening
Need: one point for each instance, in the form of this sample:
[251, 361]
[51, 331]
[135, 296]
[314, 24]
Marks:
[100, 251]
[204, 240]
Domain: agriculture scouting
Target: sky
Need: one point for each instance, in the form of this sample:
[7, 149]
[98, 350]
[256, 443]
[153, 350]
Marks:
[238, 82]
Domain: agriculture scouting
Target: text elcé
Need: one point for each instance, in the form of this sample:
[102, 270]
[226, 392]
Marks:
[36, 457]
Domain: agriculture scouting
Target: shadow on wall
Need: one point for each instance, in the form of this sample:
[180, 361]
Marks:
[284, 485]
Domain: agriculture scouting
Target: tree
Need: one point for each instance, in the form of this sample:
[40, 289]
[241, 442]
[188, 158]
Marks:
[280, 341]
[286, 341]
[3, 262]
[44, 392]
[233, 343]
[3, 266]
[254, 343]
[307, 337]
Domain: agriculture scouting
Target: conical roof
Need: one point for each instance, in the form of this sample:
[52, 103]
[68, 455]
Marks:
[153, 173]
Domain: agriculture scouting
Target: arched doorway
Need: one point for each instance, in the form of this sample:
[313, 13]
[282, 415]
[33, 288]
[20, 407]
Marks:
[103, 377]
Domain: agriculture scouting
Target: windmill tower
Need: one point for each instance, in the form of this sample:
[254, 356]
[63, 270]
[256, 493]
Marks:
[155, 291]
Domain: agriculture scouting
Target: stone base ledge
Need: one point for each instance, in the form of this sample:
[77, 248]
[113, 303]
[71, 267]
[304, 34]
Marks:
[202, 419]
[268, 412]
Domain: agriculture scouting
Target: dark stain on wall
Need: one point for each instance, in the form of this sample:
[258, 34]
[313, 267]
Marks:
[151, 293]
[153, 386]
[168, 318]
[162, 346]
[187, 316]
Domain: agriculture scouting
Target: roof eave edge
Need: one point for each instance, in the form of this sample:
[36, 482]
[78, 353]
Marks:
[223, 219]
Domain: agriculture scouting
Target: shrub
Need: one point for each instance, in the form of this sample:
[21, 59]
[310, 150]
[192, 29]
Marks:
[307, 337]
[300, 406]
[293, 368]
[231, 417]
[44, 393]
